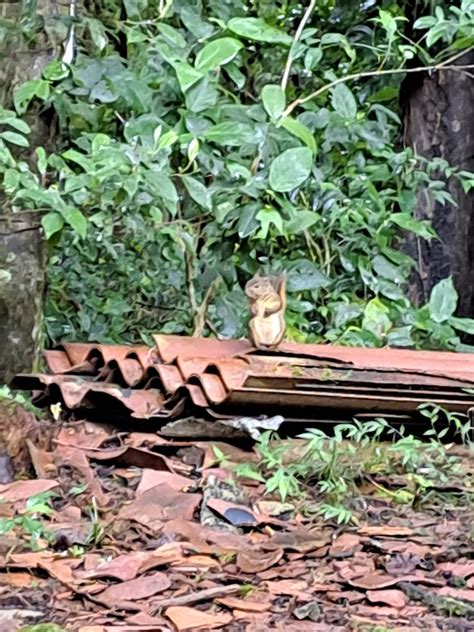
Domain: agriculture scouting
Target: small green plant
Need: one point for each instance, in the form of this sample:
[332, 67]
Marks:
[327, 469]
[8, 397]
[30, 523]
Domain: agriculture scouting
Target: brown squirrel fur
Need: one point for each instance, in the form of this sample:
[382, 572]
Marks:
[267, 302]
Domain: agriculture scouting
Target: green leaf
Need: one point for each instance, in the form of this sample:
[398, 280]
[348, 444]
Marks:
[201, 96]
[290, 169]
[273, 99]
[52, 223]
[197, 191]
[343, 102]
[17, 124]
[217, 53]
[305, 275]
[267, 217]
[15, 139]
[187, 75]
[23, 95]
[443, 300]
[417, 227]
[299, 130]
[76, 220]
[258, 30]
[463, 324]
[376, 318]
[228, 133]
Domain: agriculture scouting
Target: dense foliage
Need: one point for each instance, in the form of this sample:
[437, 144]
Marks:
[190, 156]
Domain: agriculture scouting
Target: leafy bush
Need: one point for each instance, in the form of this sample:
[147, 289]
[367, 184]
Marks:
[190, 156]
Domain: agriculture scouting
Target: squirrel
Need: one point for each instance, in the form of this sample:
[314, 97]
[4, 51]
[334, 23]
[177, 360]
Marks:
[267, 302]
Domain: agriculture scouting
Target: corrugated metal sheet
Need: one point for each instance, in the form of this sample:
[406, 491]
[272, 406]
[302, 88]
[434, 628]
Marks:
[216, 377]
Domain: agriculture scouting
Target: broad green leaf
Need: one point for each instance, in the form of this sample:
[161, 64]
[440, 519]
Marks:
[228, 133]
[197, 191]
[299, 130]
[41, 160]
[23, 95]
[52, 223]
[376, 319]
[443, 300]
[343, 102]
[78, 158]
[163, 186]
[217, 53]
[168, 139]
[290, 169]
[266, 217]
[305, 275]
[76, 220]
[417, 227]
[201, 96]
[187, 75]
[273, 99]
[171, 35]
[258, 30]
[15, 139]
[17, 124]
[463, 324]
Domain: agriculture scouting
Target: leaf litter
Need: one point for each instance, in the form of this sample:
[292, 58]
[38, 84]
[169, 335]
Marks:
[147, 533]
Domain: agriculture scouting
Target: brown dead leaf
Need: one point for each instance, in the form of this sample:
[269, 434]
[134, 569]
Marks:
[345, 545]
[244, 604]
[20, 580]
[76, 459]
[375, 581]
[135, 589]
[190, 532]
[152, 478]
[385, 530]
[393, 598]
[23, 490]
[161, 503]
[123, 567]
[256, 561]
[154, 623]
[43, 461]
[185, 618]
[458, 569]
[129, 456]
[291, 587]
[301, 540]
[286, 571]
[457, 593]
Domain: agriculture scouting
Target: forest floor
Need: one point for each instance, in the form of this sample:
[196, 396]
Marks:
[120, 530]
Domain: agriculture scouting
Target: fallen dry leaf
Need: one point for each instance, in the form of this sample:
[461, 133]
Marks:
[161, 503]
[393, 598]
[345, 545]
[374, 581]
[185, 618]
[458, 569]
[132, 457]
[123, 567]
[152, 478]
[385, 530]
[135, 589]
[257, 561]
[244, 604]
[23, 490]
[457, 593]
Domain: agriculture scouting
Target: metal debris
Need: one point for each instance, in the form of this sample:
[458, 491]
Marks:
[228, 379]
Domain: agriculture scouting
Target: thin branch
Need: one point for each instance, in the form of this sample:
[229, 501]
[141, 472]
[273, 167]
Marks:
[299, 31]
[374, 73]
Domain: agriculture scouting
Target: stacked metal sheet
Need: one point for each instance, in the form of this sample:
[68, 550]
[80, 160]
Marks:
[218, 378]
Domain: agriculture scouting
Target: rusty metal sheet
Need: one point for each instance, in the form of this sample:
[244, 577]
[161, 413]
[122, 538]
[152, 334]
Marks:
[79, 393]
[456, 365]
[170, 347]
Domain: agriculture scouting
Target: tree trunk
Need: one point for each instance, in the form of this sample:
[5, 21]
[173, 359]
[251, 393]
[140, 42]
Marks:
[439, 122]
[22, 262]
[21, 291]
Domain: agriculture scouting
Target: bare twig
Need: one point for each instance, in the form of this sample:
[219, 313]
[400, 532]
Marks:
[445, 65]
[299, 31]
[201, 310]
[201, 595]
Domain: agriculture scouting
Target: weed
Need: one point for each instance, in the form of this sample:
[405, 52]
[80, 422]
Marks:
[28, 523]
[326, 470]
